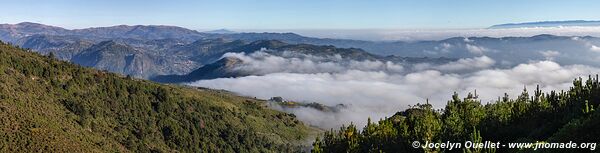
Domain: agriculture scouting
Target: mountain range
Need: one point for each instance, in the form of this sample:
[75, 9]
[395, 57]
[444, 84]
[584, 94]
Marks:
[159, 51]
[568, 23]
[146, 51]
[220, 31]
[228, 66]
[12, 32]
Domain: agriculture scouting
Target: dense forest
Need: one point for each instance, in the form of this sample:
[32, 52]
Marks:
[557, 116]
[47, 105]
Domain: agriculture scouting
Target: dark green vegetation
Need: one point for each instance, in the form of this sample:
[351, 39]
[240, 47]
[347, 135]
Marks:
[279, 102]
[551, 117]
[47, 105]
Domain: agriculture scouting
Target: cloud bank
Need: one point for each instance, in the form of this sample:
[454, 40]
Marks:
[476, 49]
[549, 54]
[261, 63]
[377, 89]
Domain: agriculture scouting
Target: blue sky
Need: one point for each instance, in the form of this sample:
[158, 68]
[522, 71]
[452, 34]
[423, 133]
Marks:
[288, 14]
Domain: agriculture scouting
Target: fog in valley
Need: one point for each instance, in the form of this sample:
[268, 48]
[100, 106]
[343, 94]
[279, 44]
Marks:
[372, 88]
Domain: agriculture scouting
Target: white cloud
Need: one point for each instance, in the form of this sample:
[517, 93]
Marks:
[260, 63]
[478, 50]
[444, 47]
[467, 40]
[378, 94]
[378, 89]
[467, 64]
[549, 54]
[595, 48]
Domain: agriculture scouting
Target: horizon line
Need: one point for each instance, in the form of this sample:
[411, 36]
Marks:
[313, 28]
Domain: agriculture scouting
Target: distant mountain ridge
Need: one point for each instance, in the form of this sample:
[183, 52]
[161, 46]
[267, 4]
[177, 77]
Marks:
[547, 24]
[170, 50]
[220, 31]
[146, 51]
[11, 32]
[223, 68]
[226, 67]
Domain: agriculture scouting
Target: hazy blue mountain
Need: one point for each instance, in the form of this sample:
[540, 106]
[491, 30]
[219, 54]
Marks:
[63, 47]
[12, 32]
[507, 50]
[169, 50]
[155, 46]
[140, 32]
[547, 24]
[293, 38]
[115, 57]
[223, 68]
[228, 66]
[163, 39]
[121, 58]
[220, 31]
[205, 51]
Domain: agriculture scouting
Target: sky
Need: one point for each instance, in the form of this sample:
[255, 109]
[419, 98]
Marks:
[288, 14]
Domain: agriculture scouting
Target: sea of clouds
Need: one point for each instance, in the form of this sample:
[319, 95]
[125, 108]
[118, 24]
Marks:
[378, 89]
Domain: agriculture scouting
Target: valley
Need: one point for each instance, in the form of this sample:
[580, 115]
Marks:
[159, 88]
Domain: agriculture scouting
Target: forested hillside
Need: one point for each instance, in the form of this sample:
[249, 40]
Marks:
[557, 116]
[47, 105]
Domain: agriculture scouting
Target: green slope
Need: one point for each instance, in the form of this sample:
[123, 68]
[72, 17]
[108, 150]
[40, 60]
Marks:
[554, 117]
[53, 106]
